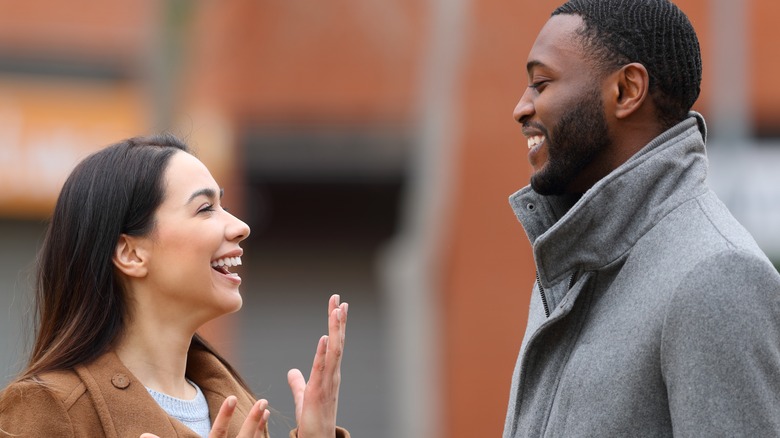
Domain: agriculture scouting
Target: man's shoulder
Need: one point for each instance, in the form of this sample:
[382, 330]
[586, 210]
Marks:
[701, 227]
[698, 238]
[712, 247]
[725, 224]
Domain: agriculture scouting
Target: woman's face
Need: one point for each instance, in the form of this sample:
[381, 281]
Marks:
[194, 245]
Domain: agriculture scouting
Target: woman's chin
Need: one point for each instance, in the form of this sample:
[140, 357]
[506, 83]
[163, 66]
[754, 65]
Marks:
[232, 304]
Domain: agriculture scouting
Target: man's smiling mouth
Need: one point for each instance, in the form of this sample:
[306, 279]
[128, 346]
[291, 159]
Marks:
[535, 140]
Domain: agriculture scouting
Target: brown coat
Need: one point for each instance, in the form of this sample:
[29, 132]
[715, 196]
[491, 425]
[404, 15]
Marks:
[103, 399]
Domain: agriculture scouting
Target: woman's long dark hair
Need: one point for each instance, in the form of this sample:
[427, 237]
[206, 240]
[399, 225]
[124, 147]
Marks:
[81, 304]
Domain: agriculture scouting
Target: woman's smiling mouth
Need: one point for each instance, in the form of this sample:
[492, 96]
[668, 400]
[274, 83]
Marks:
[222, 265]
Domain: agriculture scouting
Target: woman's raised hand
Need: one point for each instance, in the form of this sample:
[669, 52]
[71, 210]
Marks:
[316, 402]
[253, 427]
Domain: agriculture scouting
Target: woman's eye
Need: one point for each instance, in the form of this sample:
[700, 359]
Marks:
[206, 208]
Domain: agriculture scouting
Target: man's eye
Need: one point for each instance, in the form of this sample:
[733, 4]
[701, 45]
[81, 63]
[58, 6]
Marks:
[538, 86]
[205, 208]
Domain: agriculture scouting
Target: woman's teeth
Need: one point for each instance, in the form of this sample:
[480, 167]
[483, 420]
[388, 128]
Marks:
[534, 141]
[227, 262]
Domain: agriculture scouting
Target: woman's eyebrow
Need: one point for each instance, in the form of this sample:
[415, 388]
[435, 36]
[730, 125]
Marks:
[209, 193]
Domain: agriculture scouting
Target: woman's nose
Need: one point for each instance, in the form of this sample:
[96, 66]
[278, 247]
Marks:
[238, 229]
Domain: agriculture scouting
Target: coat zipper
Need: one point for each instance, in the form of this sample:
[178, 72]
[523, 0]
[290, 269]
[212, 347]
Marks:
[544, 297]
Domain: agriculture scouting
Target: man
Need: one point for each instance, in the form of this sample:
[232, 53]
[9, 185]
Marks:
[655, 313]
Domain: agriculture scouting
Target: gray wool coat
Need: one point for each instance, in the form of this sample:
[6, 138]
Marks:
[664, 315]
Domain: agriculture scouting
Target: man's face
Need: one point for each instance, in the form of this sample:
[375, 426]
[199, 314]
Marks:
[562, 112]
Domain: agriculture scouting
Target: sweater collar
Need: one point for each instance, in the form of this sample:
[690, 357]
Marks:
[591, 231]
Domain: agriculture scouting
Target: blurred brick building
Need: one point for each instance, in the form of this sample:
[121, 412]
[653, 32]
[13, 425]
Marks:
[370, 145]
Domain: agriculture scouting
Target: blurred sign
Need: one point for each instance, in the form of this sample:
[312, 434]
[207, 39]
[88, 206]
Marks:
[48, 125]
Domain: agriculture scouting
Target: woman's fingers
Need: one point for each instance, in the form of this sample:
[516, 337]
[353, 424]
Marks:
[337, 324]
[333, 302]
[298, 387]
[260, 431]
[254, 424]
[298, 384]
[336, 338]
[343, 312]
[326, 372]
[220, 427]
[256, 421]
[337, 320]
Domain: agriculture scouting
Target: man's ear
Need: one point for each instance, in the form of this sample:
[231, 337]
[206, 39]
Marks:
[130, 256]
[633, 86]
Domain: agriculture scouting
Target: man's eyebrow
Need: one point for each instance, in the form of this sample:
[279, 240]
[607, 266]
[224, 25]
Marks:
[533, 64]
[209, 193]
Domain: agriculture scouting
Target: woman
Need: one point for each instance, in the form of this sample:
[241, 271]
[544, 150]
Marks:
[137, 257]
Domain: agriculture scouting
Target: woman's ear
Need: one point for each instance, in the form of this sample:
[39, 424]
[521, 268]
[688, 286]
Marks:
[130, 256]
[633, 86]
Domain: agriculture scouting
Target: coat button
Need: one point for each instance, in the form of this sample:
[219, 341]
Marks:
[120, 381]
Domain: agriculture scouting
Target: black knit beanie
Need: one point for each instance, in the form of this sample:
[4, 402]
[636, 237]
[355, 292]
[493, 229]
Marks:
[654, 33]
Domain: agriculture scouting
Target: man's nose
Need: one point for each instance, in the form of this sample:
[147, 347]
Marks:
[524, 108]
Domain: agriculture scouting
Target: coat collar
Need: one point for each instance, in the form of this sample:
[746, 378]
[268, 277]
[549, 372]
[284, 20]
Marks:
[125, 407]
[594, 230]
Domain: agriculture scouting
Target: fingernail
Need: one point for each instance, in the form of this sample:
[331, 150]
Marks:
[232, 402]
[346, 309]
[338, 299]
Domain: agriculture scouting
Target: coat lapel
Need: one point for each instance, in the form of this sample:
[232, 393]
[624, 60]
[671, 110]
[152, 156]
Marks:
[217, 384]
[123, 404]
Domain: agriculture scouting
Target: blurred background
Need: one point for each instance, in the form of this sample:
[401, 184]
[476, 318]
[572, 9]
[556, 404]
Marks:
[370, 146]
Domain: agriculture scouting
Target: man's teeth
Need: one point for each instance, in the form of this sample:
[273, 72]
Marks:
[534, 141]
[227, 261]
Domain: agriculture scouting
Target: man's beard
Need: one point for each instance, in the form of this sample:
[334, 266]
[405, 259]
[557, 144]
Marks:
[580, 136]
